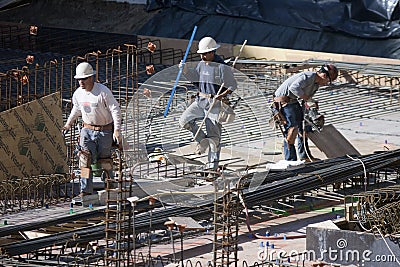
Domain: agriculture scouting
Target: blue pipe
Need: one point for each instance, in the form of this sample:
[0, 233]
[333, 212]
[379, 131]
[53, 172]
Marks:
[180, 72]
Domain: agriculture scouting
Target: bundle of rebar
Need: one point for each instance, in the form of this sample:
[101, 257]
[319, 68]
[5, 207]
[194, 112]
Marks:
[330, 172]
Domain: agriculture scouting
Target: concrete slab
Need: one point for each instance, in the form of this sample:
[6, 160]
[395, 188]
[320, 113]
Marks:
[350, 247]
[273, 148]
[87, 201]
[373, 134]
[286, 235]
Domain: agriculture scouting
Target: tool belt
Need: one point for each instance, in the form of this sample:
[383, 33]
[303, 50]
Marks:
[278, 103]
[98, 127]
[284, 100]
[205, 95]
[277, 118]
[226, 114]
[224, 99]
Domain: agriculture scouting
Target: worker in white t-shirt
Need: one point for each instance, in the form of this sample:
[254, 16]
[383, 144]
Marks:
[101, 116]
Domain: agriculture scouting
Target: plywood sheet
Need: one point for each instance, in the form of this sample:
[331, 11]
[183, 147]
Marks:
[332, 143]
[31, 142]
[189, 222]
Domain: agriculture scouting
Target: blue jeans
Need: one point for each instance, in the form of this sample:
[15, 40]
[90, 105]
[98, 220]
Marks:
[302, 144]
[293, 114]
[188, 121]
[99, 144]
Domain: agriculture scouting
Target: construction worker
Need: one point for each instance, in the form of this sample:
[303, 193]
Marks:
[208, 75]
[101, 116]
[299, 87]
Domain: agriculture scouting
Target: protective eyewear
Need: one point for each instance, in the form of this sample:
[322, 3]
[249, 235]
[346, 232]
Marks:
[325, 69]
[209, 52]
[83, 79]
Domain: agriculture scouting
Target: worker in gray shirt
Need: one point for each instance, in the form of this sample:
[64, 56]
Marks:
[208, 75]
[299, 87]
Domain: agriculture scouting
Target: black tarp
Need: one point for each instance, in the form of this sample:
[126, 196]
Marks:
[6, 4]
[361, 27]
[375, 10]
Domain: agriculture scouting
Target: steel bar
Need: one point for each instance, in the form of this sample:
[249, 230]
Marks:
[49, 221]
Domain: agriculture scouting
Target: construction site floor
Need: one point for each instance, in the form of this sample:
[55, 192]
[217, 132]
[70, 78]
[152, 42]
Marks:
[272, 235]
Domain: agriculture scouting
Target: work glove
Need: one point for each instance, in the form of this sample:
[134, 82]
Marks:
[181, 64]
[117, 137]
[66, 128]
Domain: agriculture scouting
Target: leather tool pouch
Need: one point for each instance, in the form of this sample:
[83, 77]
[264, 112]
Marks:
[226, 113]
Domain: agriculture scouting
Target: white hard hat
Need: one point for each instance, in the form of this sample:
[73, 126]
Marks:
[207, 44]
[84, 70]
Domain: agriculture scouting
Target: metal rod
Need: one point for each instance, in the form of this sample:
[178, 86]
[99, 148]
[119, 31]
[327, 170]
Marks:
[180, 72]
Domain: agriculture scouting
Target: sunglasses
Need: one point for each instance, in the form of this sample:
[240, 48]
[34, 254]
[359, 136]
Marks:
[83, 79]
[325, 69]
[207, 53]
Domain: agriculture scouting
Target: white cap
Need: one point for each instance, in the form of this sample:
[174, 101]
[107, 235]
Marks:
[84, 70]
[207, 44]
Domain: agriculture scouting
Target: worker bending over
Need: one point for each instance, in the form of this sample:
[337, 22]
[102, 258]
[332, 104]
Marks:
[299, 88]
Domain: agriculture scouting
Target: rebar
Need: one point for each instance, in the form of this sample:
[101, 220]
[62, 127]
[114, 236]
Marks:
[378, 211]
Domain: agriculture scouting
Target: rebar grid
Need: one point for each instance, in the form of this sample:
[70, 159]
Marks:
[18, 194]
[226, 227]
[377, 78]
[378, 211]
[118, 219]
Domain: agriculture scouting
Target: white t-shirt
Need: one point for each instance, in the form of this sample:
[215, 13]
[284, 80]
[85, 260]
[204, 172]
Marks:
[97, 107]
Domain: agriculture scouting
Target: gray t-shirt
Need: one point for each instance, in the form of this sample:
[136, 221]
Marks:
[299, 84]
[208, 77]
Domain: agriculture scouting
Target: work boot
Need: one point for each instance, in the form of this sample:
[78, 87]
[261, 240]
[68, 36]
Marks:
[202, 147]
[212, 177]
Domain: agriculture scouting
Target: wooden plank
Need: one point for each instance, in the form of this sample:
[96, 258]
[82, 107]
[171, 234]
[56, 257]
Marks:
[189, 222]
[31, 142]
[332, 143]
